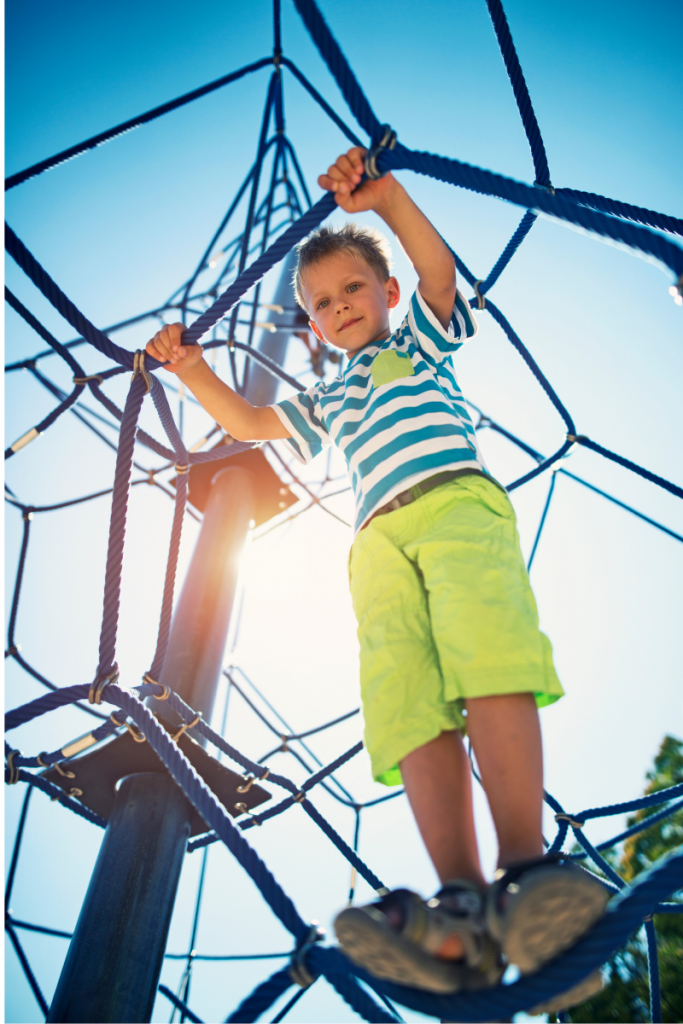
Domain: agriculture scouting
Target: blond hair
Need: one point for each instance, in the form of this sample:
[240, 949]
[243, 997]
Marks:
[364, 243]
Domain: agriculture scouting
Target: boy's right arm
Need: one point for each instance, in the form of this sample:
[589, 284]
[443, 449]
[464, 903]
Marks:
[241, 419]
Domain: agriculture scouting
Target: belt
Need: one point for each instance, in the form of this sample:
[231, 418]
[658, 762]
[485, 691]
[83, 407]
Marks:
[417, 490]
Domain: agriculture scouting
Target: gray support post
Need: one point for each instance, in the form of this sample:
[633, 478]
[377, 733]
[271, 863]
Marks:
[113, 964]
[261, 385]
[112, 968]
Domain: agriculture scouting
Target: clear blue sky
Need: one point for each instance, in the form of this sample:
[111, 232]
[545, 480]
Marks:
[120, 228]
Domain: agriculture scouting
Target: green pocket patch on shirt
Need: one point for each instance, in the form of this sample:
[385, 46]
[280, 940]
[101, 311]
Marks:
[390, 365]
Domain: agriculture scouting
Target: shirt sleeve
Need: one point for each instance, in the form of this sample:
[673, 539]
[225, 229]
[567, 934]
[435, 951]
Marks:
[433, 340]
[301, 416]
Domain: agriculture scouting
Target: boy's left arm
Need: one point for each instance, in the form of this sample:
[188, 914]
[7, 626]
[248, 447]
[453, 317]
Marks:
[422, 243]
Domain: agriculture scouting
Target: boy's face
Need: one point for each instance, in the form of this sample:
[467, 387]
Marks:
[347, 303]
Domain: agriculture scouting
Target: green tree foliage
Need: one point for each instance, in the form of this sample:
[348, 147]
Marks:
[626, 996]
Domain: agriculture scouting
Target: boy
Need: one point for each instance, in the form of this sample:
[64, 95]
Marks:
[447, 623]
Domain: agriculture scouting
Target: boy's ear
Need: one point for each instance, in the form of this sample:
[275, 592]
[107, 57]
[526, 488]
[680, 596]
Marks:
[393, 290]
[316, 330]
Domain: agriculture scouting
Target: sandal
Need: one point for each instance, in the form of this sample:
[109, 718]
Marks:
[540, 908]
[400, 936]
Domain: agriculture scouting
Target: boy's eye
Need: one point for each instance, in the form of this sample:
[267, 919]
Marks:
[323, 303]
[353, 287]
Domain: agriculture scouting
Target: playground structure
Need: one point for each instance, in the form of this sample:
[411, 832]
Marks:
[223, 318]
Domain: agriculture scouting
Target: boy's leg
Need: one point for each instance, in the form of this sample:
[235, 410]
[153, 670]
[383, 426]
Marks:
[506, 737]
[438, 783]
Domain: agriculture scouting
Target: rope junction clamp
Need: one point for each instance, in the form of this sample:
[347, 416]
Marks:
[388, 141]
[57, 767]
[99, 683]
[154, 682]
[574, 822]
[11, 651]
[577, 438]
[481, 301]
[181, 470]
[13, 772]
[300, 797]
[298, 970]
[93, 376]
[139, 369]
[187, 725]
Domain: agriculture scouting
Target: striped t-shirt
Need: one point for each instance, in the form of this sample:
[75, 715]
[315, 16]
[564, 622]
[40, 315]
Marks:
[397, 412]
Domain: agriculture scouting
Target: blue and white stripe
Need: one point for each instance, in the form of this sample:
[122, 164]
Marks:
[397, 434]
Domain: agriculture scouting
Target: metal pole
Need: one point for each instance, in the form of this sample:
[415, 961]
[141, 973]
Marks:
[112, 968]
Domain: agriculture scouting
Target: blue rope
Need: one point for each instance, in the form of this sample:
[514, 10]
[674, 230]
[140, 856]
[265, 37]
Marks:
[519, 87]
[653, 973]
[134, 122]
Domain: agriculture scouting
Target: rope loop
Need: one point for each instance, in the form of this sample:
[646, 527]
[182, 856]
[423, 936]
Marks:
[139, 369]
[388, 141]
[13, 771]
[99, 684]
[481, 301]
[574, 822]
[298, 968]
[187, 725]
[93, 376]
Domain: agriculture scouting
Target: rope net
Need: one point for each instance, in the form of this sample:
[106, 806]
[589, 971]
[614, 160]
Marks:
[224, 319]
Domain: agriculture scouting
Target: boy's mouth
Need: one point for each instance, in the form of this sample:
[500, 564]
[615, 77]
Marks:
[350, 323]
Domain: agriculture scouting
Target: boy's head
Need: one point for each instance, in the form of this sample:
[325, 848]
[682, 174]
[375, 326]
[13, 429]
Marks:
[343, 281]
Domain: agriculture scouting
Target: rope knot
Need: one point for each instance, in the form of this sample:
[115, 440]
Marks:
[481, 301]
[298, 968]
[387, 141]
[574, 822]
[140, 370]
[99, 684]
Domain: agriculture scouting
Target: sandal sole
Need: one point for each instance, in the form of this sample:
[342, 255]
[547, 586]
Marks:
[552, 912]
[385, 954]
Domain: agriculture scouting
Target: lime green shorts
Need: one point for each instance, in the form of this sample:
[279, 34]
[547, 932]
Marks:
[445, 612]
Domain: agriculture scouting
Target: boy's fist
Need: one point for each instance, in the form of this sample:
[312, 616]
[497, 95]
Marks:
[167, 347]
[343, 178]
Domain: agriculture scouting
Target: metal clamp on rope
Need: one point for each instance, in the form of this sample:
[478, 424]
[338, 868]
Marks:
[187, 725]
[576, 438]
[46, 764]
[154, 682]
[298, 969]
[388, 141]
[11, 651]
[99, 683]
[243, 809]
[300, 797]
[139, 369]
[13, 772]
[93, 376]
[137, 735]
[250, 779]
[481, 301]
[181, 470]
[574, 822]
